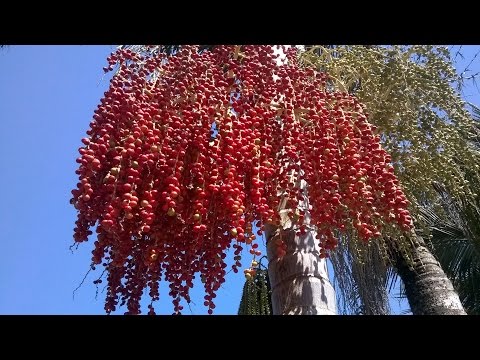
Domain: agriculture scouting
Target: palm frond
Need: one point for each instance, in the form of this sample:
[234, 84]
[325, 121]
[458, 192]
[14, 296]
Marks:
[360, 279]
[475, 111]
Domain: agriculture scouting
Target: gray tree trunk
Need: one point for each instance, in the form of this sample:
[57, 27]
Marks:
[428, 289]
[299, 281]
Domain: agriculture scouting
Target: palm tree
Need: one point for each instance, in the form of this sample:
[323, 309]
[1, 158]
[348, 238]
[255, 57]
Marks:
[293, 288]
[299, 281]
[425, 126]
[454, 245]
[455, 241]
[409, 95]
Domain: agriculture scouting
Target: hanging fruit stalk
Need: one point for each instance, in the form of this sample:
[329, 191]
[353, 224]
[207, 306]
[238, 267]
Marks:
[256, 295]
[185, 153]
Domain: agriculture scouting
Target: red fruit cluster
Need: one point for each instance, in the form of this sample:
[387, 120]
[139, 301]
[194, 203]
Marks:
[186, 152]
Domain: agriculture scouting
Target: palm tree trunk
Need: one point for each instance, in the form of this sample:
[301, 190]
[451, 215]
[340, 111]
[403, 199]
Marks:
[428, 289]
[299, 280]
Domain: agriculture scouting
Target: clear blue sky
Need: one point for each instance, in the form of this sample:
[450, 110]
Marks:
[47, 98]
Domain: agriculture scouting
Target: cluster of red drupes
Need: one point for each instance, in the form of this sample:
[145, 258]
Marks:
[185, 152]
